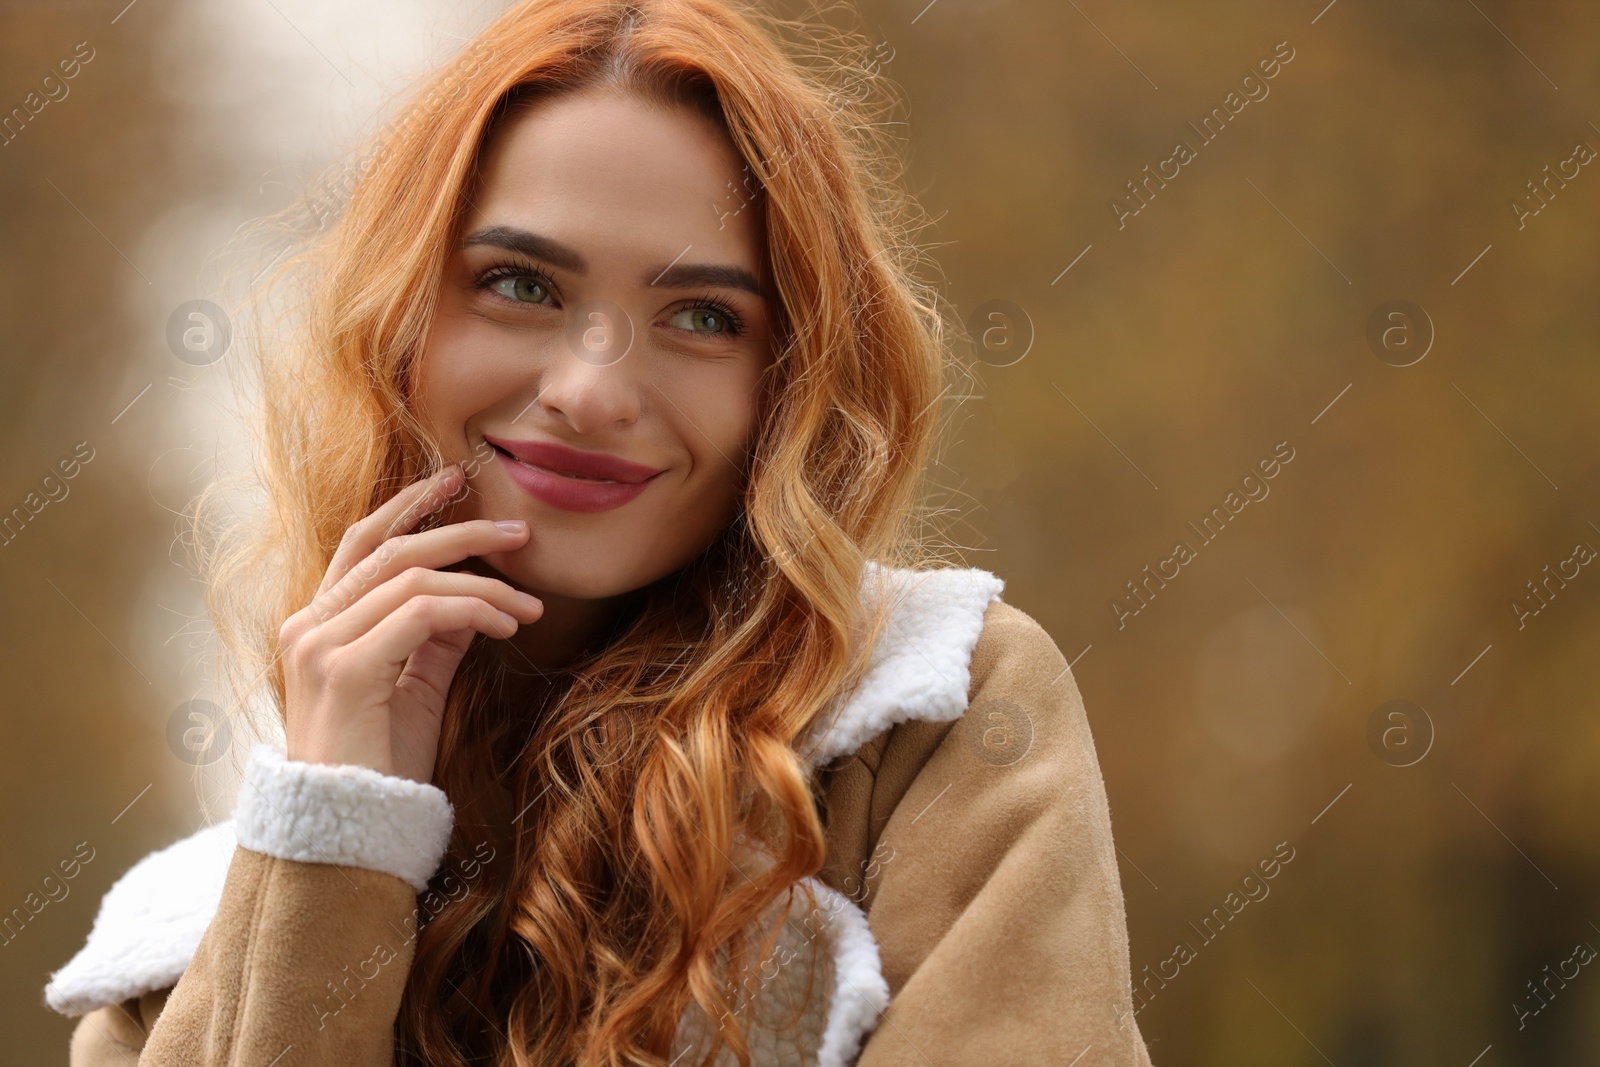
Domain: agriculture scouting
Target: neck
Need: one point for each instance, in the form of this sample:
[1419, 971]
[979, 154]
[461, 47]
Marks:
[568, 628]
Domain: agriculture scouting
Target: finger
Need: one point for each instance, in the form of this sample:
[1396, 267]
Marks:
[430, 549]
[394, 516]
[390, 643]
[384, 600]
[429, 671]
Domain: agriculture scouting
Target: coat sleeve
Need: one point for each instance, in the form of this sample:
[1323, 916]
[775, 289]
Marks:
[998, 906]
[306, 958]
[114, 1035]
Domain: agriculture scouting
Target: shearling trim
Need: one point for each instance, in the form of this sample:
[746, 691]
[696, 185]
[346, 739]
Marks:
[860, 993]
[355, 816]
[920, 666]
[150, 923]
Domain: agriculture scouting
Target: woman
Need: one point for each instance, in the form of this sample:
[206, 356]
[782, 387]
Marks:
[623, 720]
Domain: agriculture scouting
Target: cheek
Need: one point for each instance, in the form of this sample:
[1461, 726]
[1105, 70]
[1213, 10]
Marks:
[715, 417]
[466, 367]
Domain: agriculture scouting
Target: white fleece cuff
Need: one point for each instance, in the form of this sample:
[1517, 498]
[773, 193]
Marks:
[355, 816]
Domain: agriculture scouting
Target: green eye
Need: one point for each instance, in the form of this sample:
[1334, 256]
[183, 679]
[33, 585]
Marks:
[522, 288]
[704, 320]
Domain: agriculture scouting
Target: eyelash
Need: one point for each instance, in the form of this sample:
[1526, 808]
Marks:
[707, 301]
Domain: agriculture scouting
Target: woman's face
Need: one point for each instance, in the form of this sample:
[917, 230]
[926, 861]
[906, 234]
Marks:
[600, 335]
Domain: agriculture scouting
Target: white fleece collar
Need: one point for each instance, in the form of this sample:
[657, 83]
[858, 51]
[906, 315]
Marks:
[920, 667]
[151, 920]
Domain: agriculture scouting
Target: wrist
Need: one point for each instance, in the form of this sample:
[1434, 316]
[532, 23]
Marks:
[339, 749]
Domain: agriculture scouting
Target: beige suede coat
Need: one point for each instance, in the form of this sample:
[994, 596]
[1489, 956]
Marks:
[969, 914]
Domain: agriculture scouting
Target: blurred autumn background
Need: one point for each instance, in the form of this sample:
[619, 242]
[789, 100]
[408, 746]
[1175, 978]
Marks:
[1374, 273]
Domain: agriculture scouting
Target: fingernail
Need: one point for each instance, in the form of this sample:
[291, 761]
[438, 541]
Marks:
[529, 599]
[512, 525]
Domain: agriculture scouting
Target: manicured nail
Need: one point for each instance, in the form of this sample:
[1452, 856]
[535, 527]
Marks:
[512, 525]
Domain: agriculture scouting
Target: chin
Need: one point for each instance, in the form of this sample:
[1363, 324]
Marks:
[572, 575]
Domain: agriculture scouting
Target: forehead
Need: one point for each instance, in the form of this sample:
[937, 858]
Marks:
[618, 176]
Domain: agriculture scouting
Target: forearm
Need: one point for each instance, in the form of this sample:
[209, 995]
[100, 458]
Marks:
[301, 956]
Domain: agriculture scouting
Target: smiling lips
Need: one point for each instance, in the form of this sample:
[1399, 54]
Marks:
[569, 479]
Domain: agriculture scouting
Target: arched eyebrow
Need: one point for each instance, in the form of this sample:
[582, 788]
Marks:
[532, 245]
[670, 275]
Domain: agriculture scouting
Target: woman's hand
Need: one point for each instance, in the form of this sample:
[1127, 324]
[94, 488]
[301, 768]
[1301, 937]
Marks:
[368, 662]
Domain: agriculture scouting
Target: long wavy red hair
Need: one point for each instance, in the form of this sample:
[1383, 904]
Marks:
[615, 808]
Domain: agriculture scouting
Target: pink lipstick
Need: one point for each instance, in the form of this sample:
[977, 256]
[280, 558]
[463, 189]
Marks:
[571, 479]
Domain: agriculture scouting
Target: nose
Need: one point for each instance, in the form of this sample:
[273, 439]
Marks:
[589, 380]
